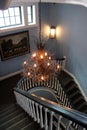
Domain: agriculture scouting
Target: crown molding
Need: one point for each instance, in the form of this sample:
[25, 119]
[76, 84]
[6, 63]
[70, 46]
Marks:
[75, 2]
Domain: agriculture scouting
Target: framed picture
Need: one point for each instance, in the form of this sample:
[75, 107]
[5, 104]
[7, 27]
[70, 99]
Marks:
[14, 45]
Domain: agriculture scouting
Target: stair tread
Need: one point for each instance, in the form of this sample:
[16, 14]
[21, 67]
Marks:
[12, 109]
[6, 107]
[18, 125]
[8, 117]
[12, 120]
[31, 126]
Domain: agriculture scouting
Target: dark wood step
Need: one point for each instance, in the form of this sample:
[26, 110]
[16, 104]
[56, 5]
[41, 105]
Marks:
[10, 115]
[8, 123]
[20, 124]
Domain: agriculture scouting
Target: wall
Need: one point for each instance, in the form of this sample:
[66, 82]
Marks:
[72, 21]
[13, 65]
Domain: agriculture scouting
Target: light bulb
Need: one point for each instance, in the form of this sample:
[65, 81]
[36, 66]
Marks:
[25, 62]
[41, 57]
[58, 66]
[48, 64]
[49, 58]
[45, 53]
[35, 65]
[42, 77]
[28, 73]
[34, 55]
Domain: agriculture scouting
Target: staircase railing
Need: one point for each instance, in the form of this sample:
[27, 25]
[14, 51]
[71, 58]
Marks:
[50, 115]
[53, 83]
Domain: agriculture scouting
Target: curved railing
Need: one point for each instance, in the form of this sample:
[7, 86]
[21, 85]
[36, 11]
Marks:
[50, 115]
[53, 83]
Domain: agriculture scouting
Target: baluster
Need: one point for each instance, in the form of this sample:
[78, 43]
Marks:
[41, 117]
[68, 125]
[33, 108]
[57, 89]
[30, 107]
[27, 84]
[44, 83]
[55, 83]
[30, 83]
[49, 81]
[46, 120]
[24, 83]
[37, 113]
[81, 128]
[62, 95]
[29, 110]
[58, 124]
[51, 120]
[64, 101]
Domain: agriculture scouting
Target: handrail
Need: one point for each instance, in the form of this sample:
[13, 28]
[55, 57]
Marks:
[76, 116]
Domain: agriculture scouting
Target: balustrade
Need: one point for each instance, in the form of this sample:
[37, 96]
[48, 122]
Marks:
[48, 114]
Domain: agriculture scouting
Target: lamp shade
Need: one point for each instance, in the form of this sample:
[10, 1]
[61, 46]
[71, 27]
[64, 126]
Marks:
[52, 32]
[4, 4]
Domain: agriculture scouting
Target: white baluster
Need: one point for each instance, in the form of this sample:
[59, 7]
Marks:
[51, 120]
[37, 111]
[68, 125]
[46, 119]
[34, 114]
[30, 107]
[58, 124]
[41, 117]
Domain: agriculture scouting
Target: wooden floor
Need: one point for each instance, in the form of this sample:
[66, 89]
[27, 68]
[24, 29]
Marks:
[6, 89]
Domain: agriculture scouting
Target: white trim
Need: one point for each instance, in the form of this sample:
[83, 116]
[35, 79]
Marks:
[76, 2]
[10, 75]
[77, 84]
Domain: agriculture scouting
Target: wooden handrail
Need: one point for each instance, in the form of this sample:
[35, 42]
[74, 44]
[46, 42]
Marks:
[73, 115]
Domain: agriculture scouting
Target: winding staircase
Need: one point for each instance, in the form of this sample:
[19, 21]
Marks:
[54, 104]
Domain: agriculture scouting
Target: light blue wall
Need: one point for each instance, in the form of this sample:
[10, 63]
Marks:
[73, 43]
[15, 64]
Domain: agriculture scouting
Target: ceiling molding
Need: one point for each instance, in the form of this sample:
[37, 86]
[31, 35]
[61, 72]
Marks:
[76, 2]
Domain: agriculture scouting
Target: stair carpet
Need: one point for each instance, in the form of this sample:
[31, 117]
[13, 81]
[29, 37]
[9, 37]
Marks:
[12, 117]
[72, 91]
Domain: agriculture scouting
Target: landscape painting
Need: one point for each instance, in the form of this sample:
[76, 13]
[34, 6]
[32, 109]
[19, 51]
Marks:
[14, 45]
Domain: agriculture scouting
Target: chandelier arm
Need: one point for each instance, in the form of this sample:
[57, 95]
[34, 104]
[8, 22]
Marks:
[40, 22]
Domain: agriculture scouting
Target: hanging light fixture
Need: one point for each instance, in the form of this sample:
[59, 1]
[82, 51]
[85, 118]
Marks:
[39, 64]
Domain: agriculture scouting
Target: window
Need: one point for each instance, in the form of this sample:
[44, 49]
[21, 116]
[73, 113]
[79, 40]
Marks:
[19, 16]
[10, 17]
[31, 14]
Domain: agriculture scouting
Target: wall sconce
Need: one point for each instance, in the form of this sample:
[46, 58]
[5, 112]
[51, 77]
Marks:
[52, 32]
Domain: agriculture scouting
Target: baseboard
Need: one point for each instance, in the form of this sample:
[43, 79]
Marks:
[10, 75]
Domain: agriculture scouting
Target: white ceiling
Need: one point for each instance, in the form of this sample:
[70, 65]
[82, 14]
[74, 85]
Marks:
[77, 2]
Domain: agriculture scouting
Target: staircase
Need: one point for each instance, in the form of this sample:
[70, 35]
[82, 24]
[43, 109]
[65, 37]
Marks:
[12, 117]
[62, 89]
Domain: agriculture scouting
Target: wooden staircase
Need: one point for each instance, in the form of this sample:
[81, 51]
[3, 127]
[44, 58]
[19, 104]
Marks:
[12, 117]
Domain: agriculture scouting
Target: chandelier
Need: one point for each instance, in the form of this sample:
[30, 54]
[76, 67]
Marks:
[40, 65]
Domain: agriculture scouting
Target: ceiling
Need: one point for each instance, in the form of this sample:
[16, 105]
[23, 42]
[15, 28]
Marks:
[77, 2]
